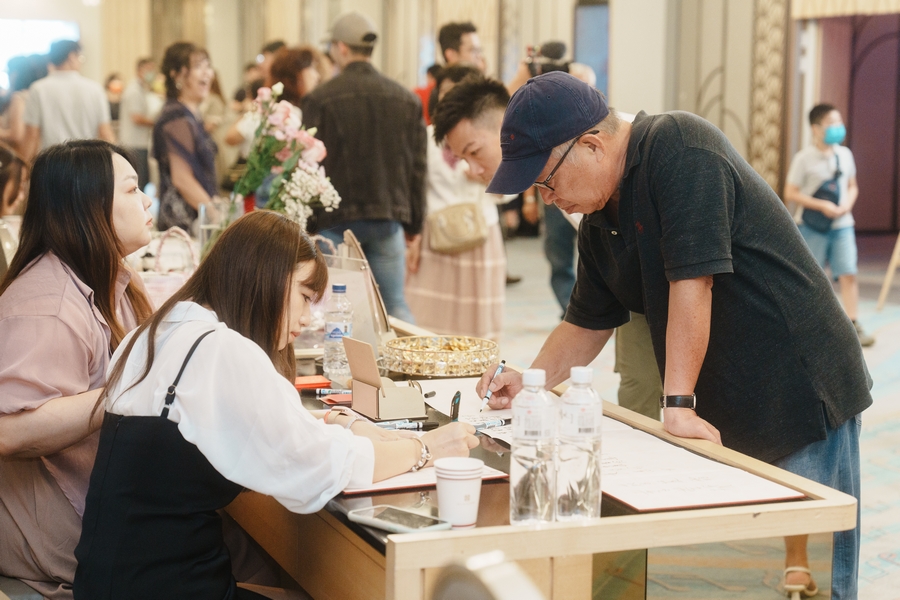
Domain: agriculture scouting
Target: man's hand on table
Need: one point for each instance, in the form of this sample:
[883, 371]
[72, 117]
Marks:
[504, 387]
[685, 423]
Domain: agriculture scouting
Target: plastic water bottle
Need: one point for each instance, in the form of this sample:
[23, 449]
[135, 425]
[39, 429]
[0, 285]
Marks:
[338, 323]
[578, 463]
[532, 472]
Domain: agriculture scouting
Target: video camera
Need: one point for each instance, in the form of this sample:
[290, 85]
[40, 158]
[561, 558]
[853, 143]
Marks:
[546, 58]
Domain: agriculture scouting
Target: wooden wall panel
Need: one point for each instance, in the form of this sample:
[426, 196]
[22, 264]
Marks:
[126, 35]
[715, 65]
[818, 9]
[166, 16]
[193, 21]
[282, 20]
[485, 14]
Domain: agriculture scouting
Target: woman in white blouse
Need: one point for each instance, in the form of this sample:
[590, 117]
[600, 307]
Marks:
[201, 404]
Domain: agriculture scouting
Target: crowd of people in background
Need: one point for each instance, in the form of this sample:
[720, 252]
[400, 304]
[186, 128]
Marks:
[397, 157]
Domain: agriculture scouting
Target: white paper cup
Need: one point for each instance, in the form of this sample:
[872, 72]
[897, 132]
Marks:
[459, 489]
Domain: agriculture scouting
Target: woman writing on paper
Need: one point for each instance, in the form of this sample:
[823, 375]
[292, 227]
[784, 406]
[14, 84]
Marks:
[201, 404]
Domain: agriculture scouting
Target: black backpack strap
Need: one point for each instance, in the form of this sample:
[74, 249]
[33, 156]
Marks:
[170, 394]
[837, 166]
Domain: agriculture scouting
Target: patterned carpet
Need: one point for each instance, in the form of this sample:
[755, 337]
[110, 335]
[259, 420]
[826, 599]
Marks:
[752, 569]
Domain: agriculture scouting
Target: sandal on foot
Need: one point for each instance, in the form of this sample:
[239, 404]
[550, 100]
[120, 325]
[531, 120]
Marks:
[796, 591]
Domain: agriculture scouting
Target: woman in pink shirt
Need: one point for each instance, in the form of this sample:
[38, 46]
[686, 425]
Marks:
[65, 304]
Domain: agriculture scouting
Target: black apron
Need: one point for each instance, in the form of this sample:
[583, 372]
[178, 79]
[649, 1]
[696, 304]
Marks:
[150, 526]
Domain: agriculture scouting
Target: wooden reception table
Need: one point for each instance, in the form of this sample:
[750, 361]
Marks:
[333, 558]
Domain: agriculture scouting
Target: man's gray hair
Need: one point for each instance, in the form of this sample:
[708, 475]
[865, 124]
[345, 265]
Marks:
[608, 127]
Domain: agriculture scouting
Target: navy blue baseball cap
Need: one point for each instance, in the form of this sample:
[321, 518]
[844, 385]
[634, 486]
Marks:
[547, 111]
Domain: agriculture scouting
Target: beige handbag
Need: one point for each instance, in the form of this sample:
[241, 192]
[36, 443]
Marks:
[457, 228]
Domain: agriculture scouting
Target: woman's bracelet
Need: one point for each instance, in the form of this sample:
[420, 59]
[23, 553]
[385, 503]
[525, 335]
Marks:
[342, 411]
[424, 458]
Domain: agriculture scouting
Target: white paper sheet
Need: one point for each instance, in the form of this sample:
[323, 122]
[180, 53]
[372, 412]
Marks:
[648, 473]
[638, 468]
[469, 404]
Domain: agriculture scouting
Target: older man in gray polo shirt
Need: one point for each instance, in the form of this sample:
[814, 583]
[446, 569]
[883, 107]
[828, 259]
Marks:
[65, 105]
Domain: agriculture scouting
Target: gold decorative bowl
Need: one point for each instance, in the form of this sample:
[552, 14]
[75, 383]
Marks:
[440, 355]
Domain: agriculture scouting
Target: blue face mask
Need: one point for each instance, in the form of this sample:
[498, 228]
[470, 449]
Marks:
[835, 134]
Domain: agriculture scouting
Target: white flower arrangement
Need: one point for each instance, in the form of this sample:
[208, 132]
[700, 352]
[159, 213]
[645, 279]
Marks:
[307, 186]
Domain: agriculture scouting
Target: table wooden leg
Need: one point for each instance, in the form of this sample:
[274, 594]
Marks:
[889, 276]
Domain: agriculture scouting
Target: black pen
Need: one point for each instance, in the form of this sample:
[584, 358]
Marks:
[415, 426]
[492, 423]
[454, 406]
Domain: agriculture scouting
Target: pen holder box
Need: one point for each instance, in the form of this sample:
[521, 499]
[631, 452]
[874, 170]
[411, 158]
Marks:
[377, 397]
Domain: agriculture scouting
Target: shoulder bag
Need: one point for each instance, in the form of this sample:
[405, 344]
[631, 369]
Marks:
[457, 228]
[829, 190]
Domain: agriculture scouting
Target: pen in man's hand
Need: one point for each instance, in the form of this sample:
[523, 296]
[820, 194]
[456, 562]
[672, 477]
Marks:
[487, 395]
[454, 406]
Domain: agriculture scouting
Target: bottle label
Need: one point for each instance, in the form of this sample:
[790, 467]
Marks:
[335, 331]
[532, 424]
[580, 420]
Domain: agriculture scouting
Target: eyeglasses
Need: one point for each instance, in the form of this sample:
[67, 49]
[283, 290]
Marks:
[545, 184]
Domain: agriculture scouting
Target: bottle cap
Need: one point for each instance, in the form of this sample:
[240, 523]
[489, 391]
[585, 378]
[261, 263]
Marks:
[339, 288]
[582, 375]
[534, 377]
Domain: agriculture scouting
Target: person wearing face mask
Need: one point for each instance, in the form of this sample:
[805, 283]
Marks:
[822, 180]
[136, 118]
[66, 303]
[185, 151]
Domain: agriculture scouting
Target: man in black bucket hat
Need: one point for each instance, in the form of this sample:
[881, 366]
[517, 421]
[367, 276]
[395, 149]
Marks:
[753, 348]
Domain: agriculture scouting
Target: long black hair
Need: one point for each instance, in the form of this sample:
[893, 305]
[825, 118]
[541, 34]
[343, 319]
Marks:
[69, 213]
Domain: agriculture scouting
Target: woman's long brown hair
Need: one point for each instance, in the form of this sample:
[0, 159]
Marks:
[69, 213]
[245, 280]
[286, 68]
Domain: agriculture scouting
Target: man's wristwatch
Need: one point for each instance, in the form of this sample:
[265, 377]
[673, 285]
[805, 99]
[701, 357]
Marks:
[678, 401]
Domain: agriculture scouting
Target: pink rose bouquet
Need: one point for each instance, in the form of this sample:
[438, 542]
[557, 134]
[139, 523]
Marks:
[286, 157]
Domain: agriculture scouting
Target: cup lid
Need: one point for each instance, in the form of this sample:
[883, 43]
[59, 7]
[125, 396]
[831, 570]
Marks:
[458, 464]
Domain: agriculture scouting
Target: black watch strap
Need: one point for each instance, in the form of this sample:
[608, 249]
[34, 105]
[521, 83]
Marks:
[678, 401]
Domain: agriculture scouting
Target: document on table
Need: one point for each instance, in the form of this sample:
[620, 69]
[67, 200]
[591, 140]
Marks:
[650, 474]
[638, 468]
[413, 479]
[469, 404]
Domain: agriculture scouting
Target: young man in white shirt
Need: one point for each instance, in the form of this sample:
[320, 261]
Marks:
[828, 164]
[65, 105]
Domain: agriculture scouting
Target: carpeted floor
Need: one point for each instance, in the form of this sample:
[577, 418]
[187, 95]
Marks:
[752, 569]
